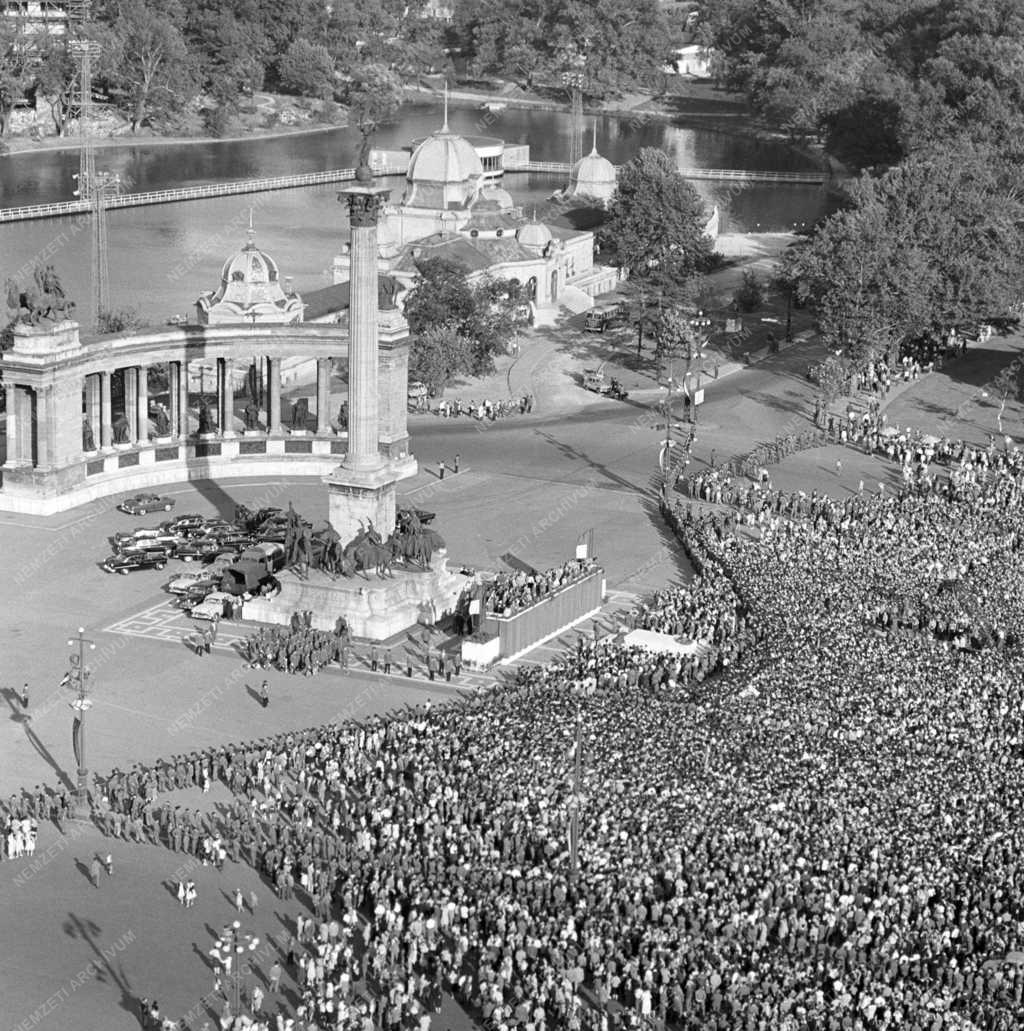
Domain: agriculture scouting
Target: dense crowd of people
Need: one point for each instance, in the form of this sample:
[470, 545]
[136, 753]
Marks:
[825, 835]
[297, 648]
[509, 593]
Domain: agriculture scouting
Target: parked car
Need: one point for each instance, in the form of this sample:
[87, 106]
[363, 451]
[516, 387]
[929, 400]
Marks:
[140, 504]
[183, 582]
[215, 605]
[198, 548]
[151, 538]
[143, 558]
[196, 594]
[184, 524]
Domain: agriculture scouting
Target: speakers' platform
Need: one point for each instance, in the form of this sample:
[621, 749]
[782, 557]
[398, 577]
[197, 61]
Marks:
[375, 609]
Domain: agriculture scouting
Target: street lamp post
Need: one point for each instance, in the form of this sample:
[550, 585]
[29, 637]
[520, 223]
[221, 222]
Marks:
[78, 676]
[228, 950]
[694, 350]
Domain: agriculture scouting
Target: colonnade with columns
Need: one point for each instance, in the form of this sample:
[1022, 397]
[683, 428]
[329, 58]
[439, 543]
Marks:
[62, 396]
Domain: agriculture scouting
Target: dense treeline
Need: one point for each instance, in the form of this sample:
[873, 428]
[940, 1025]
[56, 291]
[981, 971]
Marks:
[877, 80]
[157, 57]
[928, 96]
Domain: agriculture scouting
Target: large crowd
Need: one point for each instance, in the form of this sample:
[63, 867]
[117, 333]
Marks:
[825, 835]
[510, 593]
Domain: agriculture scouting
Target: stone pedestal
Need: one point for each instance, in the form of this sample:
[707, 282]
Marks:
[376, 609]
[357, 498]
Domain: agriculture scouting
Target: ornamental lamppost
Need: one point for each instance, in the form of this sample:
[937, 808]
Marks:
[78, 679]
[228, 951]
[694, 349]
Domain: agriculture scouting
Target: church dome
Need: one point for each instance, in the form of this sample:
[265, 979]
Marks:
[444, 172]
[534, 235]
[250, 289]
[249, 265]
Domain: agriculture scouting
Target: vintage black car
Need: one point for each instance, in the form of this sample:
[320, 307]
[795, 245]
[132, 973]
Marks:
[141, 558]
[146, 538]
[198, 548]
[140, 504]
[186, 524]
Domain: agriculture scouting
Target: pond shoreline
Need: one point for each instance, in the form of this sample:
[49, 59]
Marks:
[645, 108]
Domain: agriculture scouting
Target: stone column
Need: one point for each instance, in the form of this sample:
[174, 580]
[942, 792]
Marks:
[142, 404]
[225, 400]
[323, 395]
[172, 398]
[274, 396]
[92, 405]
[131, 400]
[364, 204]
[19, 426]
[106, 415]
[183, 400]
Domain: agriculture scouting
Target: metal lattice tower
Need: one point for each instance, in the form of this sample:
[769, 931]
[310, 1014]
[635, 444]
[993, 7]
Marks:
[576, 143]
[92, 186]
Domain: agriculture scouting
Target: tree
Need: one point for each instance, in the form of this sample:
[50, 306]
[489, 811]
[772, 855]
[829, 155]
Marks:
[675, 338]
[480, 313]
[438, 354]
[655, 226]
[936, 242]
[146, 63]
[15, 72]
[236, 64]
[56, 79]
[307, 69]
[749, 296]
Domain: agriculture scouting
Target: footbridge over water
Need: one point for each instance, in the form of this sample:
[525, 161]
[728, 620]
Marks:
[60, 209]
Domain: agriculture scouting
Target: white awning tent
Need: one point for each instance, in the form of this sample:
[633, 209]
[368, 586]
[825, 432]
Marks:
[652, 641]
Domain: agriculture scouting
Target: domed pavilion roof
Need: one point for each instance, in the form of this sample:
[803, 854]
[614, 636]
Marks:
[444, 171]
[534, 235]
[593, 175]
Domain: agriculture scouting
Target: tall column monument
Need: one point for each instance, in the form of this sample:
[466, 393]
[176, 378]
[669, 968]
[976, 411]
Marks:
[362, 489]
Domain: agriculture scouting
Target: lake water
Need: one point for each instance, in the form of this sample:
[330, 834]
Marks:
[162, 257]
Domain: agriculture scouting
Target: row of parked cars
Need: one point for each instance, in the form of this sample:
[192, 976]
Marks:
[236, 561]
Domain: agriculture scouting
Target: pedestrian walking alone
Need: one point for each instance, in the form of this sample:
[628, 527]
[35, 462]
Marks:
[94, 871]
[839, 467]
[239, 900]
[455, 464]
[441, 469]
[109, 864]
[24, 697]
[264, 694]
[275, 977]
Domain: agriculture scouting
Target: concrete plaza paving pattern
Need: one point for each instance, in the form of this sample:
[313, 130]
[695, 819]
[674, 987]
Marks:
[74, 956]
